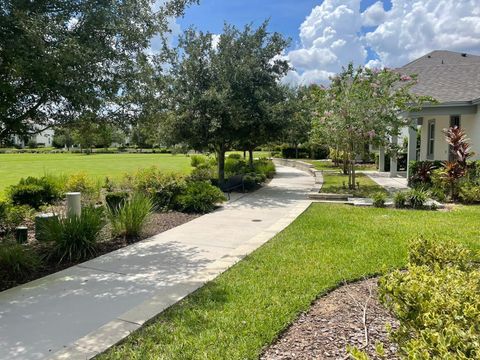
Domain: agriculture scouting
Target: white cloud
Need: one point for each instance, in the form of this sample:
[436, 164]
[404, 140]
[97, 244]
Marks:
[414, 28]
[331, 35]
[374, 15]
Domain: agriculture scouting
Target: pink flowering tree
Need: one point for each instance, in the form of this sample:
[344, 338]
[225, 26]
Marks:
[364, 106]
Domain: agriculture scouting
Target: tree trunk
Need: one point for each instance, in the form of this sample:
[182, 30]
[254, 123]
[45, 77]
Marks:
[345, 164]
[244, 155]
[354, 179]
[296, 151]
[250, 158]
[221, 165]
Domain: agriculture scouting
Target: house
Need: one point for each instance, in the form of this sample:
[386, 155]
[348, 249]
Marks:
[453, 79]
[42, 139]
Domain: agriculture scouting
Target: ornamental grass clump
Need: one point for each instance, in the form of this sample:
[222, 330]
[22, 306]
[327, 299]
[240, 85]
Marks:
[436, 301]
[130, 218]
[17, 261]
[74, 238]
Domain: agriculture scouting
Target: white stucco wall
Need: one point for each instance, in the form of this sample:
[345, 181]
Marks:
[471, 124]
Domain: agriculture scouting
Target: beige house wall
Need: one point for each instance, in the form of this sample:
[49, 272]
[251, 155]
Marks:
[470, 123]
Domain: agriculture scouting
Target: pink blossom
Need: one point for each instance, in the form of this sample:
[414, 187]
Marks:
[328, 113]
[371, 134]
[405, 78]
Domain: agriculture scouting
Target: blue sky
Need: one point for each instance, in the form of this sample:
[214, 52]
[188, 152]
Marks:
[328, 34]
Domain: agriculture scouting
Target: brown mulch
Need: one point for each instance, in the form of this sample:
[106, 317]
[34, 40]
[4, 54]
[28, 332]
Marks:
[159, 222]
[335, 321]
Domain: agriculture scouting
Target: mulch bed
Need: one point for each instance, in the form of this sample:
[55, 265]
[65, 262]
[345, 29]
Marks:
[335, 321]
[159, 222]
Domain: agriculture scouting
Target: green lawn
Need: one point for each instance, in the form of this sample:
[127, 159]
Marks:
[246, 308]
[15, 166]
[338, 184]
[329, 165]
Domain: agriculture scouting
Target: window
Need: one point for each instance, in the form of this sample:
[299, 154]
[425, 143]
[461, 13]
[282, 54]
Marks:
[455, 121]
[431, 140]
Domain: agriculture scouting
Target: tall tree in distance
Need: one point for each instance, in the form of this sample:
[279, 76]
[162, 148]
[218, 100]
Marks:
[60, 58]
[224, 93]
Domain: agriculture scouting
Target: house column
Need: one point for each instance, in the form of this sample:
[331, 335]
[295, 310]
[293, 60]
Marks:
[393, 159]
[412, 145]
[381, 159]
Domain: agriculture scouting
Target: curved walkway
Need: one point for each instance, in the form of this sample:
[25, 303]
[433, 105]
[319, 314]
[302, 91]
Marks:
[83, 310]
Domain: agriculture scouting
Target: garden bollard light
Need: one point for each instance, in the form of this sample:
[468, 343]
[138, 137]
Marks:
[74, 204]
[21, 234]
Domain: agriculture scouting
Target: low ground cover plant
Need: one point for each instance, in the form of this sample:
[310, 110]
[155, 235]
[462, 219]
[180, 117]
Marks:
[379, 199]
[436, 301]
[17, 261]
[199, 197]
[35, 192]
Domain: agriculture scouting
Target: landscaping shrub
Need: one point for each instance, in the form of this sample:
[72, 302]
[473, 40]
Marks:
[265, 167]
[317, 152]
[379, 199]
[163, 188]
[115, 200]
[199, 197]
[235, 167]
[203, 173]
[420, 174]
[436, 302]
[34, 192]
[417, 198]
[129, 219]
[235, 156]
[17, 261]
[469, 193]
[400, 199]
[196, 160]
[82, 183]
[74, 238]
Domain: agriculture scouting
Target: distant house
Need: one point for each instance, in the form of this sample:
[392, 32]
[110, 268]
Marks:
[453, 79]
[42, 139]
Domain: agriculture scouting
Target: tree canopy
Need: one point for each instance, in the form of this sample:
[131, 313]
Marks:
[61, 58]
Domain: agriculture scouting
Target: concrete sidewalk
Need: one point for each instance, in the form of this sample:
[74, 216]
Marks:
[390, 184]
[81, 311]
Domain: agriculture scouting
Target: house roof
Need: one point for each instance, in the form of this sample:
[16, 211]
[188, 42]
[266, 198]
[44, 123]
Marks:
[447, 76]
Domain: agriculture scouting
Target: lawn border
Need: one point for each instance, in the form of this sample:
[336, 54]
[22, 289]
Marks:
[114, 332]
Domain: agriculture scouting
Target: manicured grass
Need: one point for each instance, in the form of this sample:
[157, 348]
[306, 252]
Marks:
[329, 165]
[338, 184]
[15, 166]
[245, 309]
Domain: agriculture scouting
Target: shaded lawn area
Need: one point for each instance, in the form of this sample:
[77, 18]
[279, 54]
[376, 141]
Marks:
[246, 308]
[329, 165]
[337, 183]
[15, 166]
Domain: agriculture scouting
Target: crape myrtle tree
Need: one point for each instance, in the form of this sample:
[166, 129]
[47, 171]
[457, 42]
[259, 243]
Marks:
[363, 106]
[62, 58]
[226, 93]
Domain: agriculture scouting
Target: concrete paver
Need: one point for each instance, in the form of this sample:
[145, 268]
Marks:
[83, 310]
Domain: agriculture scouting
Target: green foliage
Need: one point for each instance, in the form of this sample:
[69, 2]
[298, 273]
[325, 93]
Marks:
[436, 301]
[235, 156]
[197, 160]
[379, 199]
[400, 199]
[469, 193]
[163, 188]
[17, 261]
[129, 219]
[115, 200]
[34, 192]
[417, 198]
[84, 184]
[235, 167]
[199, 197]
[420, 174]
[265, 167]
[203, 173]
[74, 238]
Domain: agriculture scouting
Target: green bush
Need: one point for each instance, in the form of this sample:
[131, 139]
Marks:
[115, 200]
[17, 261]
[265, 167]
[400, 199]
[197, 160]
[420, 174]
[469, 193]
[130, 218]
[161, 187]
[203, 173]
[199, 197]
[74, 238]
[379, 199]
[436, 302]
[235, 167]
[34, 192]
[417, 198]
[82, 183]
[235, 156]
